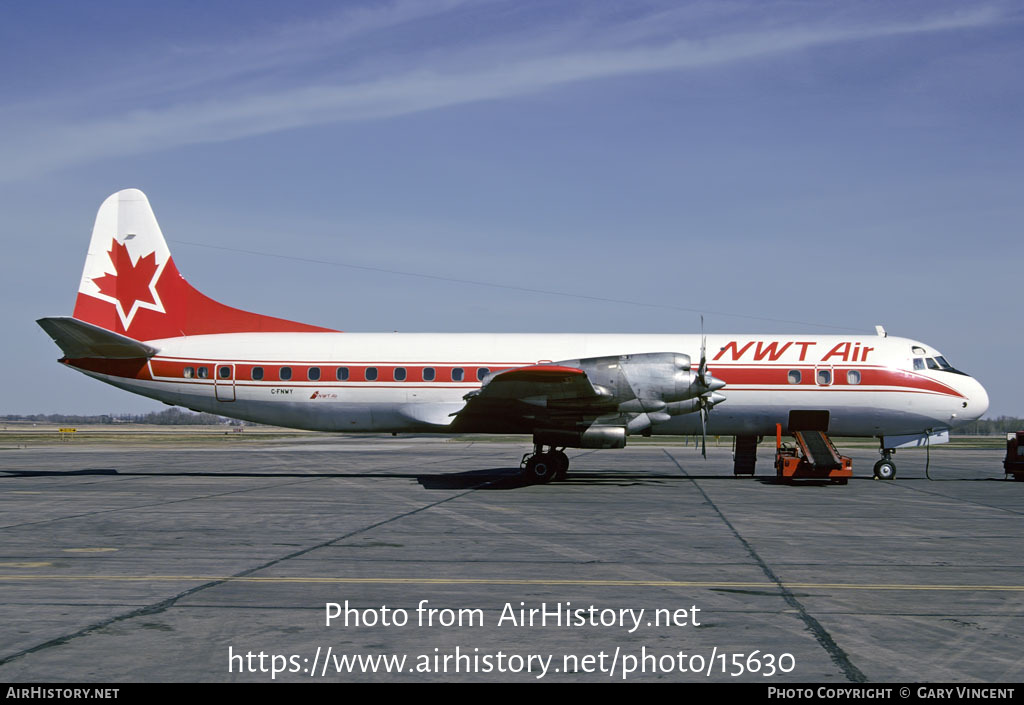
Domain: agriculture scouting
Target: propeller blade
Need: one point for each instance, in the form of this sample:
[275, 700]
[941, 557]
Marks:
[702, 377]
[704, 432]
[702, 369]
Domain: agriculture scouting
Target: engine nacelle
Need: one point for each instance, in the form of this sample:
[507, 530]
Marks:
[644, 382]
[603, 437]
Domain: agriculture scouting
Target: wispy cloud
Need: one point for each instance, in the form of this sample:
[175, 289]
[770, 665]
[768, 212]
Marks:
[399, 59]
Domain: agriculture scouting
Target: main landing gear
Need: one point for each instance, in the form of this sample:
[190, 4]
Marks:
[885, 469]
[545, 465]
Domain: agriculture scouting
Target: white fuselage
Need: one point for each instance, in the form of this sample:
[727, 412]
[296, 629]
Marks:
[869, 384]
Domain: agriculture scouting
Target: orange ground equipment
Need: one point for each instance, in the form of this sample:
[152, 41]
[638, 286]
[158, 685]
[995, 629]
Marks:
[1014, 463]
[812, 458]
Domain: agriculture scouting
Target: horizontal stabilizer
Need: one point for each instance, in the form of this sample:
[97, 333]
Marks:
[79, 339]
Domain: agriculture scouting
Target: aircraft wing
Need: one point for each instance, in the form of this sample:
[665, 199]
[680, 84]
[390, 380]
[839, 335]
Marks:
[538, 396]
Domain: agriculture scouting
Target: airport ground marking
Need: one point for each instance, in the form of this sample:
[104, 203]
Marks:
[835, 652]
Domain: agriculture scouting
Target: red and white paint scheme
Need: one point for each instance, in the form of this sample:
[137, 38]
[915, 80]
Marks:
[139, 325]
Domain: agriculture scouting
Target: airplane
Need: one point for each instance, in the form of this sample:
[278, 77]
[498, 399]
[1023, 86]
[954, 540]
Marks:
[139, 325]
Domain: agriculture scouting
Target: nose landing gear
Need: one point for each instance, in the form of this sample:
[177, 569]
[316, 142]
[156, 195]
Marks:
[885, 469]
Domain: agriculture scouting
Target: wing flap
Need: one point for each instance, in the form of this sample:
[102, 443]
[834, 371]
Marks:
[79, 339]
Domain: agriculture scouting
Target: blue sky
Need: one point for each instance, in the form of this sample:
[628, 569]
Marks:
[781, 166]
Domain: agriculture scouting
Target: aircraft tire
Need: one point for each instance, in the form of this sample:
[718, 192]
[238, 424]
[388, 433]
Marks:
[539, 469]
[561, 462]
[885, 470]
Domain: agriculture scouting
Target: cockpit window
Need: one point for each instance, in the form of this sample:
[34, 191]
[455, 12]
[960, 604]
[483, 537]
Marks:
[943, 364]
[918, 350]
[936, 363]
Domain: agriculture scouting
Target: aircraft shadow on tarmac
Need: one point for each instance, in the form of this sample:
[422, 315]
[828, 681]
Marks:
[512, 478]
[486, 479]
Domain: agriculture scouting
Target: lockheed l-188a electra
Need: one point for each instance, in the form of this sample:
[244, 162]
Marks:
[139, 325]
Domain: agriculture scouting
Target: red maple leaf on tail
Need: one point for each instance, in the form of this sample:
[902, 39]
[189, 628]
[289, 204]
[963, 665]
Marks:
[131, 281]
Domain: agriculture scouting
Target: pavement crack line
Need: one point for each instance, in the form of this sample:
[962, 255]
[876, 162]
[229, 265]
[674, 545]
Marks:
[165, 604]
[821, 634]
[961, 500]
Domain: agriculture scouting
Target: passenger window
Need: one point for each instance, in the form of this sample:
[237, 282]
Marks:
[853, 377]
[286, 374]
[457, 374]
[428, 374]
[399, 374]
[341, 373]
[932, 365]
[793, 377]
[825, 377]
[202, 373]
[189, 372]
[224, 372]
[371, 374]
[257, 373]
[918, 363]
[481, 373]
[313, 374]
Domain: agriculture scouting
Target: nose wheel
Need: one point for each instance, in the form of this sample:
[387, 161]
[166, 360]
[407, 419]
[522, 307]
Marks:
[885, 469]
[545, 465]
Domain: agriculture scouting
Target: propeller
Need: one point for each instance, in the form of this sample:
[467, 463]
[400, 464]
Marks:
[708, 398]
[703, 431]
[702, 370]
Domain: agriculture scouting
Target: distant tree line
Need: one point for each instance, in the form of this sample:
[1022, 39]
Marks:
[168, 417]
[989, 427]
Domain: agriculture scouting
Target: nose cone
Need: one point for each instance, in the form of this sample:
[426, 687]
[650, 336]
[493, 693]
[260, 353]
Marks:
[977, 400]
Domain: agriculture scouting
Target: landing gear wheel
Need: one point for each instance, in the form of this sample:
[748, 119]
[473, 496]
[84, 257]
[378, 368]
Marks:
[885, 470]
[539, 469]
[561, 463]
